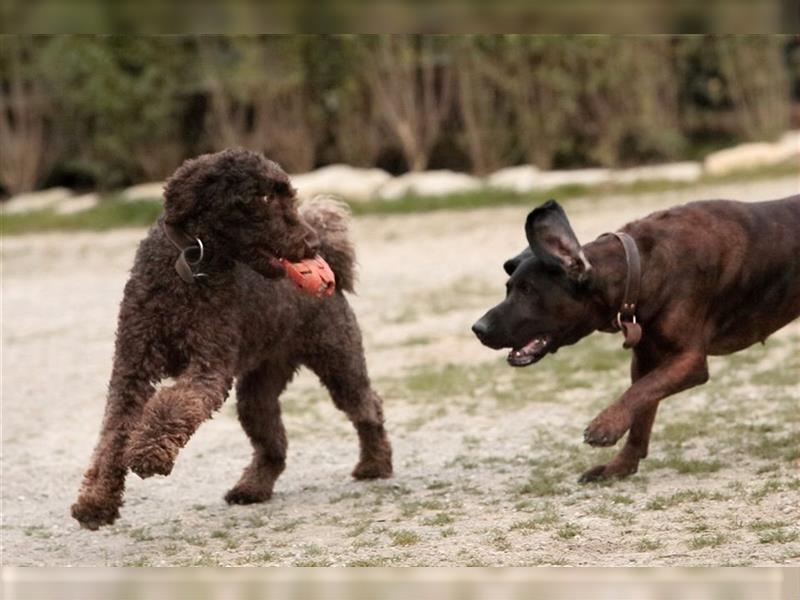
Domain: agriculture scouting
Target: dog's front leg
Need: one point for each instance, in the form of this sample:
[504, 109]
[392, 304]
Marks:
[637, 406]
[172, 415]
[103, 485]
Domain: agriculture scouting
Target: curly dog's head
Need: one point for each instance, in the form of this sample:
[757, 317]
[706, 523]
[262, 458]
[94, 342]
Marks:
[244, 204]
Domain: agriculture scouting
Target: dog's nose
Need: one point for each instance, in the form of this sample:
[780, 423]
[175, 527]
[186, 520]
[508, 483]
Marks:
[480, 329]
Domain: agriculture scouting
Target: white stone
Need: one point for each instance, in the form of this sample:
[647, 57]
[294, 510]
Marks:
[680, 171]
[36, 200]
[789, 144]
[77, 204]
[749, 156]
[348, 183]
[144, 191]
[520, 179]
[429, 183]
[587, 177]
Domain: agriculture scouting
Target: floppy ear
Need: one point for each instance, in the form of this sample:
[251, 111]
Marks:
[551, 238]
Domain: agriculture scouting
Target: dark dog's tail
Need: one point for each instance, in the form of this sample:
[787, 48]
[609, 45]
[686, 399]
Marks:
[331, 218]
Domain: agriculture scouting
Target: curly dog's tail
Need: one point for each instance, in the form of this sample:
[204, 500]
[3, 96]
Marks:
[331, 218]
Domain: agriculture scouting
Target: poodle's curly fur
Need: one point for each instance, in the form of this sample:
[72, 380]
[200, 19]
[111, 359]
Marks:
[243, 321]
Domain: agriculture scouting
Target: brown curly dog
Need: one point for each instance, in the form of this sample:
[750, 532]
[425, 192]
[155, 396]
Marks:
[207, 303]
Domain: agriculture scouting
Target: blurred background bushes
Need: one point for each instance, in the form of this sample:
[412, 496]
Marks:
[106, 112]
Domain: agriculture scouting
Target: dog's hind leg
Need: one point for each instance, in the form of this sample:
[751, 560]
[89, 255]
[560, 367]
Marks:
[173, 414]
[103, 485]
[259, 411]
[338, 360]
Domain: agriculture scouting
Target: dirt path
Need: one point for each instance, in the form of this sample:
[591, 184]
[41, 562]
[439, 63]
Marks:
[486, 456]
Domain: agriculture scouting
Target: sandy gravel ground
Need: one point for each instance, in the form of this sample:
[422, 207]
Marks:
[486, 456]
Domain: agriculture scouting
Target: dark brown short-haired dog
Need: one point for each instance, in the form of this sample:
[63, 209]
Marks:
[707, 278]
[207, 302]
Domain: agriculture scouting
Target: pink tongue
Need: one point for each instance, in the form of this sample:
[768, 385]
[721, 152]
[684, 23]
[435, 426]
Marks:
[530, 345]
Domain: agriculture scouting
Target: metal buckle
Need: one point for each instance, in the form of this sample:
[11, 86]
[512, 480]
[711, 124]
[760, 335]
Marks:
[193, 264]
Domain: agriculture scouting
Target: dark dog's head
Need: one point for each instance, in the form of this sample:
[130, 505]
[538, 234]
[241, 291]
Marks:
[243, 204]
[548, 300]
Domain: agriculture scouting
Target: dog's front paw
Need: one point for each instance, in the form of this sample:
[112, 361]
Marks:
[373, 469]
[613, 470]
[93, 512]
[153, 458]
[245, 494]
[608, 427]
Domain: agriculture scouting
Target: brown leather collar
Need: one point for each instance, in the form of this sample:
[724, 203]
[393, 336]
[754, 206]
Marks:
[625, 320]
[191, 253]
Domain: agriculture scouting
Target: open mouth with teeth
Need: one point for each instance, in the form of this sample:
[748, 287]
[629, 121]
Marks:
[530, 353]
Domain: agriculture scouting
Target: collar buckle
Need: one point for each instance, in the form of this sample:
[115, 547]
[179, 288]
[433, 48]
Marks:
[187, 267]
[625, 321]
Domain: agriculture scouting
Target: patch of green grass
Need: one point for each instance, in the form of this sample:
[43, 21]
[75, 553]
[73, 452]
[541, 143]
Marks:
[262, 557]
[219, 534]
[568, 531]
[687, 466]
[354, 495]
[665, 502]
[771, 486]
[404, 537]
[621, 499]
[195, 540]
[707, 541]
[139, 561]
[419, 340]
[771, 447]
[490, 197]
[287, 526]
[378, 561]
[760, 525]
[204, 559]
[439, 519]
[778, 536]
[463, 201]
[450, 380]
[313, 550]
[622, 517]
[313, 562]
[111, 213]
[547, 518]
[358, 529]
[648, 545]
[141, 534]
[542, 484]
[693, 427]
[256, 520]
[438, 485]
[37, 531]
[499, 541]
[414, 507]
[701, 527]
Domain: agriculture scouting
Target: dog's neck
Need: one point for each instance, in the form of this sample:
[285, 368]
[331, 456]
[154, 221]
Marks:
[203, 261]
[609, 272]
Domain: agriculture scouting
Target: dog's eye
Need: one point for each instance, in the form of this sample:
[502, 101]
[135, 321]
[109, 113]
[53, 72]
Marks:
[526, 288]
